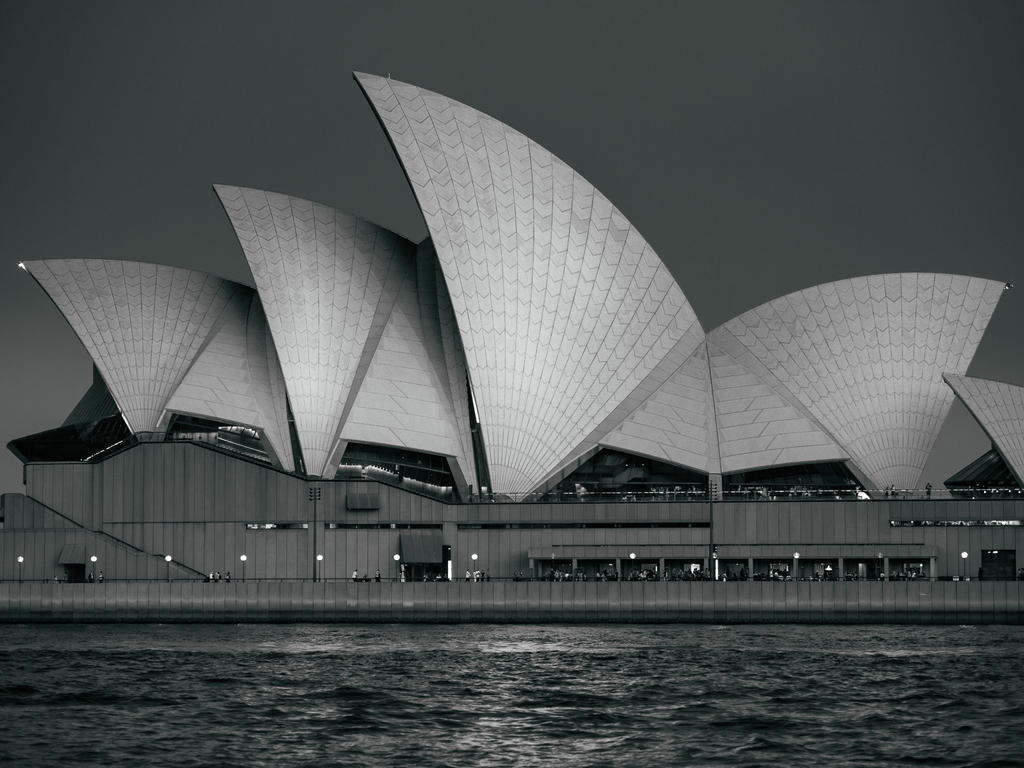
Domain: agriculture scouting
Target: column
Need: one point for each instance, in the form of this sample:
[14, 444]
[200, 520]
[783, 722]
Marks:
[715, 482]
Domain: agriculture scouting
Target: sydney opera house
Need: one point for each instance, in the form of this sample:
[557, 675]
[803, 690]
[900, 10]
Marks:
[527, 393]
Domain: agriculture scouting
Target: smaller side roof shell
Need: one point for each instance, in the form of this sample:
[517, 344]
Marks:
[998, 408]
[865, 358]
[326, 282]
[142, 324]
[237, 378]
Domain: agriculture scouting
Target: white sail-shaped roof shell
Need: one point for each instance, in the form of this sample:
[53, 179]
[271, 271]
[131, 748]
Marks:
[237, 378]
[325, 279]
[760, 424]
[999, 409]
[142, 324]
[676, 423]
[865, 358]
[405, 398]
[565, 311]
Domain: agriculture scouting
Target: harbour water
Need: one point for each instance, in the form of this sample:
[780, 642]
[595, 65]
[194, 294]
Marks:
[497, 695]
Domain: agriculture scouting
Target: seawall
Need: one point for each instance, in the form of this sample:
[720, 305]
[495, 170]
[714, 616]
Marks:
[908, 602]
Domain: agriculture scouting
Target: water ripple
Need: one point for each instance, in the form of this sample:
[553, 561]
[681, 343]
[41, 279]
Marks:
[379, 695]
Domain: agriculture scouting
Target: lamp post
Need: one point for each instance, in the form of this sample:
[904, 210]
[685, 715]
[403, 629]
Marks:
[243, 558]
[963, 557]
[21, 563]
[92, 559]
[167, 559]
[314, 496]
[474, 557]
[796, 565]
[398, 568]
[316, 565]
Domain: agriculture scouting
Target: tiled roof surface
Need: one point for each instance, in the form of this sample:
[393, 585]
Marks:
[143, 324]
[999, 409]
[563, 308]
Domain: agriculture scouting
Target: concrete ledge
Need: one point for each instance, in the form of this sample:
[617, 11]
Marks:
[910, 602]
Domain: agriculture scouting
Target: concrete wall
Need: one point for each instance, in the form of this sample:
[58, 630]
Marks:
[195, 503]
[628, 602]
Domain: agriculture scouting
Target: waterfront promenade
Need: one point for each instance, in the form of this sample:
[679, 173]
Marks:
[909, 602]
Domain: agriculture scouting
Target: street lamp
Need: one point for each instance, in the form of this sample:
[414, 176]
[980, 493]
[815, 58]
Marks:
[796, 564]
[963, 556]
[21, 563]
[316, 566]
[243, 558]
[398, 568]
[473, 557]
[167, 559]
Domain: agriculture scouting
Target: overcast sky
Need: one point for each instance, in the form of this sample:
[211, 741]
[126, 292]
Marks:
[759, 147]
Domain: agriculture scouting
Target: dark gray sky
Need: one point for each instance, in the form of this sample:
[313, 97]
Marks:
[759, 147]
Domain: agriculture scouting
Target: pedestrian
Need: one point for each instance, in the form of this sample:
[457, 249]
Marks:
[376, 576]
[355, 575]
[101, 577]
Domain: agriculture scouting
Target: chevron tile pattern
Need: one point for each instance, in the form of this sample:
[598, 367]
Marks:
[999, 409]
[865, 358]
[143, 324]
[403, 399]
[441, 334]
[676, 423]
[563, 307]
[321, 275]
[237, 378]
[760, 424]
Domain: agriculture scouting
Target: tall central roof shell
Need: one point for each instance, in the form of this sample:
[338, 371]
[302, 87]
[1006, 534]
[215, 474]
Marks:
[567, 315]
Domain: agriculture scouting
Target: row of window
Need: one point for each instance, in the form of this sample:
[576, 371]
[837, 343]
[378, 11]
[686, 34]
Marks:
[285, 526]
[547, 526]
[927, 523]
